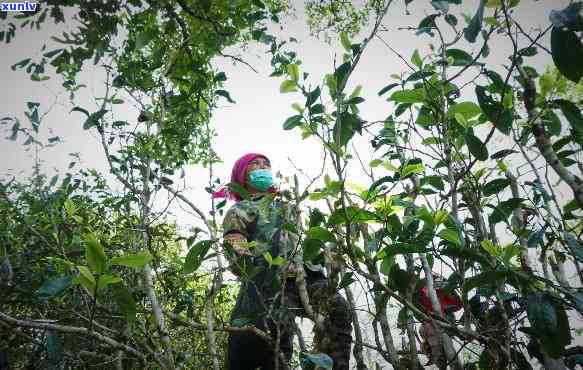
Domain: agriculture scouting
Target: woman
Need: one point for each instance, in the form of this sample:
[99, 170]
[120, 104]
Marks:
[449, 303]
[256, 232]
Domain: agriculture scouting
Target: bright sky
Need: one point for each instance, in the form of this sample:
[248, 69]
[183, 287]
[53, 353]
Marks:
[255, 122]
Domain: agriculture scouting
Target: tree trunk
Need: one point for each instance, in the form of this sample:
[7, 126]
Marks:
[360, 365]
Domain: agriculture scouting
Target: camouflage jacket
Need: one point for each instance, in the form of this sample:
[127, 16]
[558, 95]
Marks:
[269, 224]
[265, 222]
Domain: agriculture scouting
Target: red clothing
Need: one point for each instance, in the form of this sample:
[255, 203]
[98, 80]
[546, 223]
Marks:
[450, 303]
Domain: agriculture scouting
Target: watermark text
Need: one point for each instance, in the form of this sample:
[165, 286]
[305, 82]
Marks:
[24, 6]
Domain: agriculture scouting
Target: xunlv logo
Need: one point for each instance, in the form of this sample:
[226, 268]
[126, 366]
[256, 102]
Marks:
[19, 7]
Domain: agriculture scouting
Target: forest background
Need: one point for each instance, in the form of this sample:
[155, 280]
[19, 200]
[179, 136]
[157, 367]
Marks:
[452, 165]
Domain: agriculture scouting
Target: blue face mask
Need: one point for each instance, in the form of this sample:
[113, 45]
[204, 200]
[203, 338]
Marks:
[261, 179]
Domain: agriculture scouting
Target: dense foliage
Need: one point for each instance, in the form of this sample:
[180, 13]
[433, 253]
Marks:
[91, 276]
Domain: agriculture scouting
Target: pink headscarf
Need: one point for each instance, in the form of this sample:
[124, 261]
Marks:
[238, 176]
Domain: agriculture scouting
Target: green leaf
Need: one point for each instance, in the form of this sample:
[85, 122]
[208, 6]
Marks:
[434, 180]
[268, 258]
[225, 94]
[552, 122]
[440, 217]
[331, 83]
[313, 96]
[569, 18]
[317, 109]
[451, 236]
[408, 96]
[451, 20]
[340, 74]
[476, 147]
[313, 361]
[375, 163]
[379, 182]
[54, 180]
[549, 322]
[402, 108]
[400, 279]
[475, 26]
[466, 253]
[278, 261]
[316, 217]
[220, 77]
[311, 248]
[105, 280]
[20, 64]
[292, 122]
[461, 119]
[93, 118]
[502, 153]
[495, 186]
[196, 256]
[287, 86]
[52, 53]
[55, 287]
[355, 100]
[86, 279]
[94, 254]
[321, 234]
[404, 248]
[241, 321]
[441, 5]
[79, 109]
[567, 52]
[494, 111]
[411, 168]
[467, 109]
[427, 25]
[349, 124]
[504, 209]
[346, 280]
[239, 190]
[387, 88]
[498, 3]
[487, 279]
[355, 215]
[143, 38]
[572, 113]
[493, 250]
[416, 59]
[137, 261]
[125, 301]
[387, 264]
[460, 57]
[528, 52]
[345, 41]
[294, 72]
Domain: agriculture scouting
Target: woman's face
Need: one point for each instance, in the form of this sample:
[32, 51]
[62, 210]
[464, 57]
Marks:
[258, 163]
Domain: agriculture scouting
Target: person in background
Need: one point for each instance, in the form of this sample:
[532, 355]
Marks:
[256, 232]
[432, 345]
